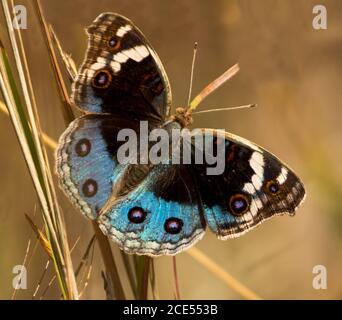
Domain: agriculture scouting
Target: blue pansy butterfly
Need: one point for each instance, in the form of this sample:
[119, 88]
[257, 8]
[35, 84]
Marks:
[164, 208]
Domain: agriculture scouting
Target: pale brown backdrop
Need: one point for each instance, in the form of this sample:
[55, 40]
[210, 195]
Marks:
[290, 70]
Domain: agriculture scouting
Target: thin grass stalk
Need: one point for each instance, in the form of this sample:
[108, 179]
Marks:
[24, 144]
[29, 104]
[50, 206]
[175, 274]
[44, 242]
[30, 100]
[215, 269]
[48, 141]
[109, 262]
[128, 266]
[66, 110]
[41, 279]
[145, 263]
[69, 63]
[54, 276]
[153, 281]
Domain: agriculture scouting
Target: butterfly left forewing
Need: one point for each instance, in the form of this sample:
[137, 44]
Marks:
[121, 72]
[254, 186]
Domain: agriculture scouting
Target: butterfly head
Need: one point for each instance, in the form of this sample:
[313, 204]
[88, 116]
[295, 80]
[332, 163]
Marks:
[183, 116]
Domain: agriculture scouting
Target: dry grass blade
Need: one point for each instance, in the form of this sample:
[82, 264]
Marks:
[126, 259]
[111, 269]
[54, 277]
[49, 142]
[47, 287]
[66, 110]
[25, 145]
[143, 270]
[153, 280]
[41, 237]
[35, 156]
[69, 63]
[87, 271]
[215, 269]
[41, 280]
[175, 274]
[85, 255]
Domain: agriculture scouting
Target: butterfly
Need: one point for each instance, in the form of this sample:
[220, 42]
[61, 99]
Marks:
[164, 208]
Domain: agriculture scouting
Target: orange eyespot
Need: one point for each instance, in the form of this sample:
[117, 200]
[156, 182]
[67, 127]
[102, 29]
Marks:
[89, 188]
[239, 204]
[272, 187]
[113, 43]
[102, 79]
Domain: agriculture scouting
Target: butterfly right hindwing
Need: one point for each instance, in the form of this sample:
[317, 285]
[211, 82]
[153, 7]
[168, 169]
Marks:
[254, 186]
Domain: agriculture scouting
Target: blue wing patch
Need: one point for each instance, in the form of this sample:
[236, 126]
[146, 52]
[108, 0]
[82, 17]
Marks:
[85, 165]
[147, 221]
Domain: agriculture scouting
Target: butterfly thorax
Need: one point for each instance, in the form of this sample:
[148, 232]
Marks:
[183, 116]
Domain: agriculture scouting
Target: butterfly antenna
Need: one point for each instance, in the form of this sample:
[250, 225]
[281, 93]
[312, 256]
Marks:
[213, 86]
[246, 106]
[192, 72]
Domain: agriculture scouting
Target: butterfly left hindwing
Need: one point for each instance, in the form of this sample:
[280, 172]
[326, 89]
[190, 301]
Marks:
[159, 216]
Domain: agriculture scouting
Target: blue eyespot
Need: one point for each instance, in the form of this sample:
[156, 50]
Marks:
[173, 225]
[136, 215]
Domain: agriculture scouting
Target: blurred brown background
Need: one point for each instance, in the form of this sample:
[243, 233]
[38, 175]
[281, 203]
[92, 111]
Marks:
[291, 70]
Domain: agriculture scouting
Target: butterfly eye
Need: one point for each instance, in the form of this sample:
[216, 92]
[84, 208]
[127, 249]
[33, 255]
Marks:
[238, 204]
[102, 79]
[173, 225]
[89, 188]
[136, 215]
[272, 187]
[113, 43]
[83, 147]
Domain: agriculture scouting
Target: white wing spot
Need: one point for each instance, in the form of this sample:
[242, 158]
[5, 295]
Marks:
[257, 163]
[123, 30]
[248, 187]
[143, 51]
[121, 58]
[282, 176]
[256, 182]
[115, 66]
